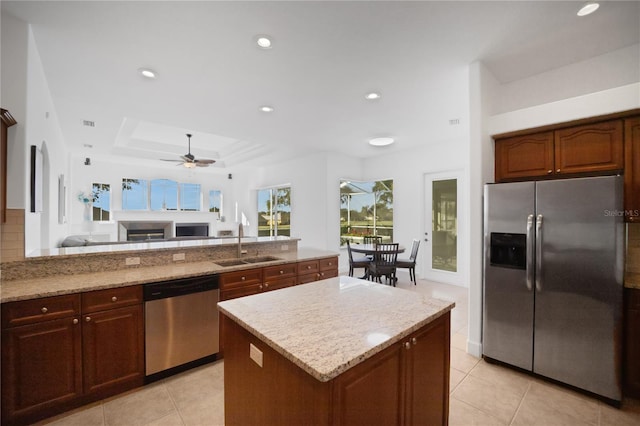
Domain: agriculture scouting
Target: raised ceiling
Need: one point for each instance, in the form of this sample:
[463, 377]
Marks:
[326, 56]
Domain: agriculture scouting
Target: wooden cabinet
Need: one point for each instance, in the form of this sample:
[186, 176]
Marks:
[240, 283]
[315, 270]
[586, 149]
[409, 379]
[41, 357]
[328, 268]
[406, 383]
[632, 343]
[279, 276]
[64, 351]
[632, 169]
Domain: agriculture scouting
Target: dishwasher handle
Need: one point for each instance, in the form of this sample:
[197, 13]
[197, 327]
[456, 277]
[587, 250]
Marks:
[180, 287]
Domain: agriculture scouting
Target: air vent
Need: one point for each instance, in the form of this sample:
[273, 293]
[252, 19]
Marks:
[88, 123]
[454, 121]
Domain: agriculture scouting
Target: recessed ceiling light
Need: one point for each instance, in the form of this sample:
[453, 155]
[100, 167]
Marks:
[266, 108]
[146, 72]
[264, 42]
[372, 95]
[381, 141]
[588, 9]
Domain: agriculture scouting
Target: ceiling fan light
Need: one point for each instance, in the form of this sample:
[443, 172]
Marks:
[189, 165]
[588, 8]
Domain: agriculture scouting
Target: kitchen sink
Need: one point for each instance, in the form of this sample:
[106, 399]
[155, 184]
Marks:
[247, 261]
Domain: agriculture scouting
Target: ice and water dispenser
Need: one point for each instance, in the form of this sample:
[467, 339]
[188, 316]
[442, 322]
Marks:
[508, 250]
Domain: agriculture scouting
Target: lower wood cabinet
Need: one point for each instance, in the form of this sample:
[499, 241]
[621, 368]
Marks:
[315, 270]
[405, 384]
[631, 372]
[61, 352]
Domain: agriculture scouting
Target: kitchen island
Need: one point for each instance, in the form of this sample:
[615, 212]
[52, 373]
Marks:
[337, 351]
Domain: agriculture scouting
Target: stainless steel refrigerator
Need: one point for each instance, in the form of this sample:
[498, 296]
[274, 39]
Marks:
[553, 279]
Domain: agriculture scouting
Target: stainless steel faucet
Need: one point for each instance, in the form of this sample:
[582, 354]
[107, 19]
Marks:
[240, 235]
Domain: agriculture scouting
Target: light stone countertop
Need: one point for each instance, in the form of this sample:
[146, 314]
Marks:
[329, 326]
[56, 285]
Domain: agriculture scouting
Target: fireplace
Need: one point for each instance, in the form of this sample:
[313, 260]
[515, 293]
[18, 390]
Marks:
[192, 229]
[144, 231]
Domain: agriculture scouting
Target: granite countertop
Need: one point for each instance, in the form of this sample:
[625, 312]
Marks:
[329, 326]
[66, 284]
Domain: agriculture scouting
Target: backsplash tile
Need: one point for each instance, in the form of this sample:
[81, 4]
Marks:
[12, 236]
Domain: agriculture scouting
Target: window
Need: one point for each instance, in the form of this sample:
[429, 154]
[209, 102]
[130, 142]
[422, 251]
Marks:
[444, 228]
[274, 211]
[135, 194]
[101, 195]
[164, 195]
[366, 208]
[215, 202]
[190, 198]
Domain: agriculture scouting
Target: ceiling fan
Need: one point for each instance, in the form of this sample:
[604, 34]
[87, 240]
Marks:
[190, 161]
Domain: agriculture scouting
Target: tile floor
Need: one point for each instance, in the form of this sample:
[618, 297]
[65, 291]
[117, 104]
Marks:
[481, 393]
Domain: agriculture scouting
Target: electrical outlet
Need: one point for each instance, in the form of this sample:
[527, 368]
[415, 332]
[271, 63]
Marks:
[284, 247]
[255, 354]
[178, 256]
[130, 261]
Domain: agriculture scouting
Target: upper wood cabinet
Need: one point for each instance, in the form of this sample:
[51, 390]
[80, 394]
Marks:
[589, 148]
[632, 169]
[524, 156]
[594, 148]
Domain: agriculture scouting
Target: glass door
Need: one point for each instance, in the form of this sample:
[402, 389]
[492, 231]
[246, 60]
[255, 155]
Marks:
[442, 227]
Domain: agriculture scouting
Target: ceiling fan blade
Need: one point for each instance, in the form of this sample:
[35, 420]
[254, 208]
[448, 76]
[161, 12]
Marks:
[204, 161]
[198, 164]
[179, 161]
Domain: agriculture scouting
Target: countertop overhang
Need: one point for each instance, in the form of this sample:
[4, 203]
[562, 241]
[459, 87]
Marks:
[329, 326]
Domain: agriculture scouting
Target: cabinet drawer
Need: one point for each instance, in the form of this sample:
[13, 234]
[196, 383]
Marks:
[279, 283]
[240, 278]
[37, 310]
[328, 264]
[308, 278]
[240, 291]
[308, 267]
[633, 298]
[101, 300]
[329, 273]
[272, 273]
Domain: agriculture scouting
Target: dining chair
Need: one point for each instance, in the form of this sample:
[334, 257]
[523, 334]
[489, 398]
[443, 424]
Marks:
[360, 262]
[411, 262]
[384, 263]
[372, 239]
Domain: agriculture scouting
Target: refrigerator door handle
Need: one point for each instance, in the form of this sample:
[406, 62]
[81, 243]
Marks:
[530, 242]
[539, 253]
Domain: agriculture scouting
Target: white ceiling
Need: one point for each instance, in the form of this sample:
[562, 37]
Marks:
[326, 56]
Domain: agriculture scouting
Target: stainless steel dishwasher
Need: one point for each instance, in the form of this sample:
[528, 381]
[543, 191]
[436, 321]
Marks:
[181, 324]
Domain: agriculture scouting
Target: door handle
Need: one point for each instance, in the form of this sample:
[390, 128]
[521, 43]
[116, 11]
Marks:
[530, 252]
[539, 253]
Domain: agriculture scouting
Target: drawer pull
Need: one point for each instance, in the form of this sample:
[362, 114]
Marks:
[330, 263]
[281, 272]
[266, 285]
[44, 310]
[87, 319]
[243, 278]
[75, 320]
[407, 345]
[114, 299]
[414, 340]
[308, 266]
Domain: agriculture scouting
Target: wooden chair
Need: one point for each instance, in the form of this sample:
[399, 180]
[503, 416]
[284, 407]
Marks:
[411, 262]
[361, 262]
[372, 239]
[384, 263]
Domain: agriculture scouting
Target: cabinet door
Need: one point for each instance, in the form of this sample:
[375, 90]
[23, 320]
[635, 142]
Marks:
[428, 374]
[632, 169]
[41, 368]
[524, 156]
[632, 343]
[371, 393]
[589, 148]
[113, 350]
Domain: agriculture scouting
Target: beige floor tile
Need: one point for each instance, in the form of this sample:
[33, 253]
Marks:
[91, 415]
[208, 411]
[501, 376]
[546, 404]
[200, 384]
[627, 415]
[172, 419]
[455, 377]
[144, 406]
[461, 360]
[462, 414]
[497, 400]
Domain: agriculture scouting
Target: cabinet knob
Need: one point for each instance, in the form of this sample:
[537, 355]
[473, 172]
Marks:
[330, 263]
[407, 345]
[243, 278]
[266, 285]
[87, 319]
[44, 310]
[558, 171]
[281, 272]
[308, 266]
[414, 340]
[75, 320]
[114, 299]
[549, 171]
[260, 287]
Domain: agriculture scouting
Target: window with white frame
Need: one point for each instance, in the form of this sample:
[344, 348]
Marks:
[274, 211]
[101, 206]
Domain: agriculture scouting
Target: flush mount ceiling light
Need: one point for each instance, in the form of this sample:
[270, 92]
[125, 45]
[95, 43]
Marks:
[588, 9]
[147, 73]
[372, 95]
[266, 108]
[264, 41]
[381, 141]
